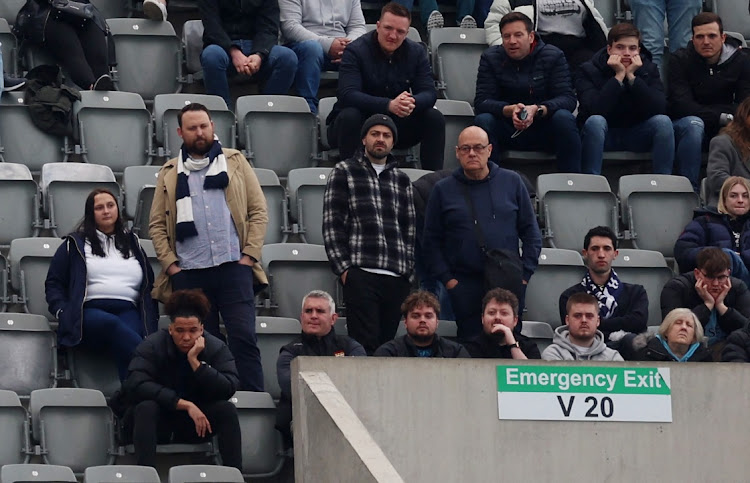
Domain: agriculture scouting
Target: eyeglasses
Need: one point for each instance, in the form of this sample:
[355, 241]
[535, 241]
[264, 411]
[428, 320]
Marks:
[718, 278]
[466, 149]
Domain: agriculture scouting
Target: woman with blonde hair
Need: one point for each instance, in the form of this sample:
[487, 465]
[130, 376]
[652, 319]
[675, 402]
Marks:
[729, 152]
[679, 338]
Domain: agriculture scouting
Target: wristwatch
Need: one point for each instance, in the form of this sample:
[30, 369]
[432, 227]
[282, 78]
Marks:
[540, 110]
[515, 344]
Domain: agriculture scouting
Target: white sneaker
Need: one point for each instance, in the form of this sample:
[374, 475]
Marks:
[155, 10]
[435, 20]
[468, 22]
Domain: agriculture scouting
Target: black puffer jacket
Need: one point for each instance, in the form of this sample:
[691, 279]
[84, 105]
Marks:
[737, 348]
[227, 20]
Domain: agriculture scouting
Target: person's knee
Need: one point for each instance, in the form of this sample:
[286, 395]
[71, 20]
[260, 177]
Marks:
[283, 58]
[564, 119]
[690, 126]
[309, 51]
[487, 122]
[146, 412]
[214, 57]
[595, 125]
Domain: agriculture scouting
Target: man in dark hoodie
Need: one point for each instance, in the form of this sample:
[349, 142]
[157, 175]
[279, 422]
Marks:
[622, 103]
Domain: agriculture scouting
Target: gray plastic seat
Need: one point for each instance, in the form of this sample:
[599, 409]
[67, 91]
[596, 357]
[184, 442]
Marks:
[20, 203]
[277, 132]
[9, 48]
[9, 9]
[571, 204]
[458, 116]
[307, 188]
[415, 173]
[62, 416]
[121, 474]
[413, 33]
[325, 106]
[455, 59]
[540, 333]
[273, 334]
[647, 268]
[148, 56]
[208, 473]
[21, 141]
[139, 184]
[192, 47]
[5, 298]
[29, 262]
[166, 109]
[65, 187]
[114, 128]
[153, 260]
[558, 270]
[276, 205]
[27, 353]
[261, 442]
[734, 16]
[93, 371]
[656, 209]
[14, 426]
[25, 473]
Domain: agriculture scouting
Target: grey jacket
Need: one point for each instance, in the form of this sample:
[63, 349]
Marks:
[321, 20]
[724, 160]
[562, 349]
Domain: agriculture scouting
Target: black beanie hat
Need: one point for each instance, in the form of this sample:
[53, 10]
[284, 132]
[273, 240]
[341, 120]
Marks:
[379, 120]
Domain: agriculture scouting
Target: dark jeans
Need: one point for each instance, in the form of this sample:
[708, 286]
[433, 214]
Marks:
[426, 127]
[152, 425]
[81, 51]
[112, 327]
[373, 306]
[229, 288]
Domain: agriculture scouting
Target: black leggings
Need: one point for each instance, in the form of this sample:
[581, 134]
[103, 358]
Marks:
[80, 50]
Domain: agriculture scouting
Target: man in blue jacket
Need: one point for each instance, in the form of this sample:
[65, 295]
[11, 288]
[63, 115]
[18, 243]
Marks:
[622, 104]
[524, 98]
[383, 72]
[503, 213]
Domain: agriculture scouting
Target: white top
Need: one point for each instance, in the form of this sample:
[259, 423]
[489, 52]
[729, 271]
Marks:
[111, 276]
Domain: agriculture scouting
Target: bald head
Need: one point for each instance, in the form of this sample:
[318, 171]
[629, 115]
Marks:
[473, 132]
[473, 151]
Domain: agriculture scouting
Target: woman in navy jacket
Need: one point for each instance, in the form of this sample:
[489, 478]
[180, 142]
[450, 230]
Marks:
[99, 284]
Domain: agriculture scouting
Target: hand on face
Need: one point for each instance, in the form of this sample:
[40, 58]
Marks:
[615, 62]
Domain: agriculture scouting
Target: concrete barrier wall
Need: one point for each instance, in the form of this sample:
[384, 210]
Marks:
[437, 421]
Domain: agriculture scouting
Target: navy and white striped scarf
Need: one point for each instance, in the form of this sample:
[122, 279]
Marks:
[216, 178]
[607, 295]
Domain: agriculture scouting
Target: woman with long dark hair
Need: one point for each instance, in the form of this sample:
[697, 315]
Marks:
[99, 284]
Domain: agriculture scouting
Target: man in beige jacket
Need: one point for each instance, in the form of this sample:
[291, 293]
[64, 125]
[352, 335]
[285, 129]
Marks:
[208, 221]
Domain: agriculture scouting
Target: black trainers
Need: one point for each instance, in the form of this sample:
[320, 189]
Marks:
[104, 83]
[13, 83]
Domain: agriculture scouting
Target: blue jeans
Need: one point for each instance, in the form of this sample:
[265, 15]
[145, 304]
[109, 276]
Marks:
[277, 69]
[654, 134]
[311, 60]
[558, 131]
[113, 327]
[688, 138]
[463, 8]
[649, 15]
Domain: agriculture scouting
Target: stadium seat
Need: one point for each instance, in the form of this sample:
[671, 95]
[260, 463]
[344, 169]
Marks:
[166, 109]
[295, 269]
[325, 106]
[14, 426]
[198, 473]
[558, 269]
[29, 262]
[9, 9]
[5, 298]
[307, 188]
[261, 442]
[455, 61]
[139, 184]
[25, 473]
[276, 204]
[148, 248]
[610, 10]
[277, 132]
[8, 47]
[93, 370]
[19, 203]
[656, 209]
[27, 353]
[121, 473]
[149, 61]
[734, 15]
[540, 333]
[21, 141]
[273, 334]
[647, 268]
[340, 326]
[413, 33]
[571, 204]
[65, 187]
[114, 129]
[414, 173]
[192, 47]
[458, 116]
[73, 427]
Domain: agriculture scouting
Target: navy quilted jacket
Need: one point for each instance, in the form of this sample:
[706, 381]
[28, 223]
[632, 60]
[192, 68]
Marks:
[709, 228]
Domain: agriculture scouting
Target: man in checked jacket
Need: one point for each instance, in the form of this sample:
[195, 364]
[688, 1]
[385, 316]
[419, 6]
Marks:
[369, 227]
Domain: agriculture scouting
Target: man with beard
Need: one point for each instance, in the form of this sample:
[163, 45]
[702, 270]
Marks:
[369, 230]
[420, 311]
[208, 221]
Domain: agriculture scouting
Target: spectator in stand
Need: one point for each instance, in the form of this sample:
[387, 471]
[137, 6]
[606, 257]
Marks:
[679, 339]
[737, 348]
[707, 81]
[729, 153]
[574, 26]
[433, 19]
[622, 104]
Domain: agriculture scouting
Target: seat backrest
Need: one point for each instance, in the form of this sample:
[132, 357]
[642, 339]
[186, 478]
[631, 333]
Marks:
[134, 178]
[306, 193]
[93, 371]
[261, 442]
[458, 116]
[27, 353]
[652, 183]
[276, 205]
[14, 446]
[198, 473]
[153, 260]
[609, 10]
[121, 473]
[7, 47]
[273, 334]
[455, 58]
[734, 15]
[647, 268]
[29, 262]
[23, 473]
[325, 106]
[540, 333]
[9, 9]
[19, 202]
[192, 45]
[414, 173]
[558, 270]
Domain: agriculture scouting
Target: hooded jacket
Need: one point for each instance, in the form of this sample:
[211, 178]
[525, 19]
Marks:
[321, 20]
[562, 349]
[710, 228]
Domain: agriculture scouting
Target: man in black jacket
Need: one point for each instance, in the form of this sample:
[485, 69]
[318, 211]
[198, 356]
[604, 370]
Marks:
[420, 310]
[240, 37]
[179, 384]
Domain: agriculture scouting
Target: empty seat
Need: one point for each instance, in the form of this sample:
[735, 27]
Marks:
[121, 473]
[20, 140]
[29, 261]
[139, 183]
[148, 56]
[14, 426]
[273, 334]
[307, 188]
[114, 128]
[19, 203]
[168, 106]
[540, 333]
[93, 371]
[276, 205]
[261, 442]
[571, 204]
[266, 124]
[199, 473]
[25, 473]
[647, 268]
[27, 353]
[656, 208]
[192, 47]
[414, 173]
[455, 60]
[74, 427]
[558, 270]
[458, 116]
[8, 48]
[5, 299]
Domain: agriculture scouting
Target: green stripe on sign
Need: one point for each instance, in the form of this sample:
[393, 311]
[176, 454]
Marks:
[604, 380]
